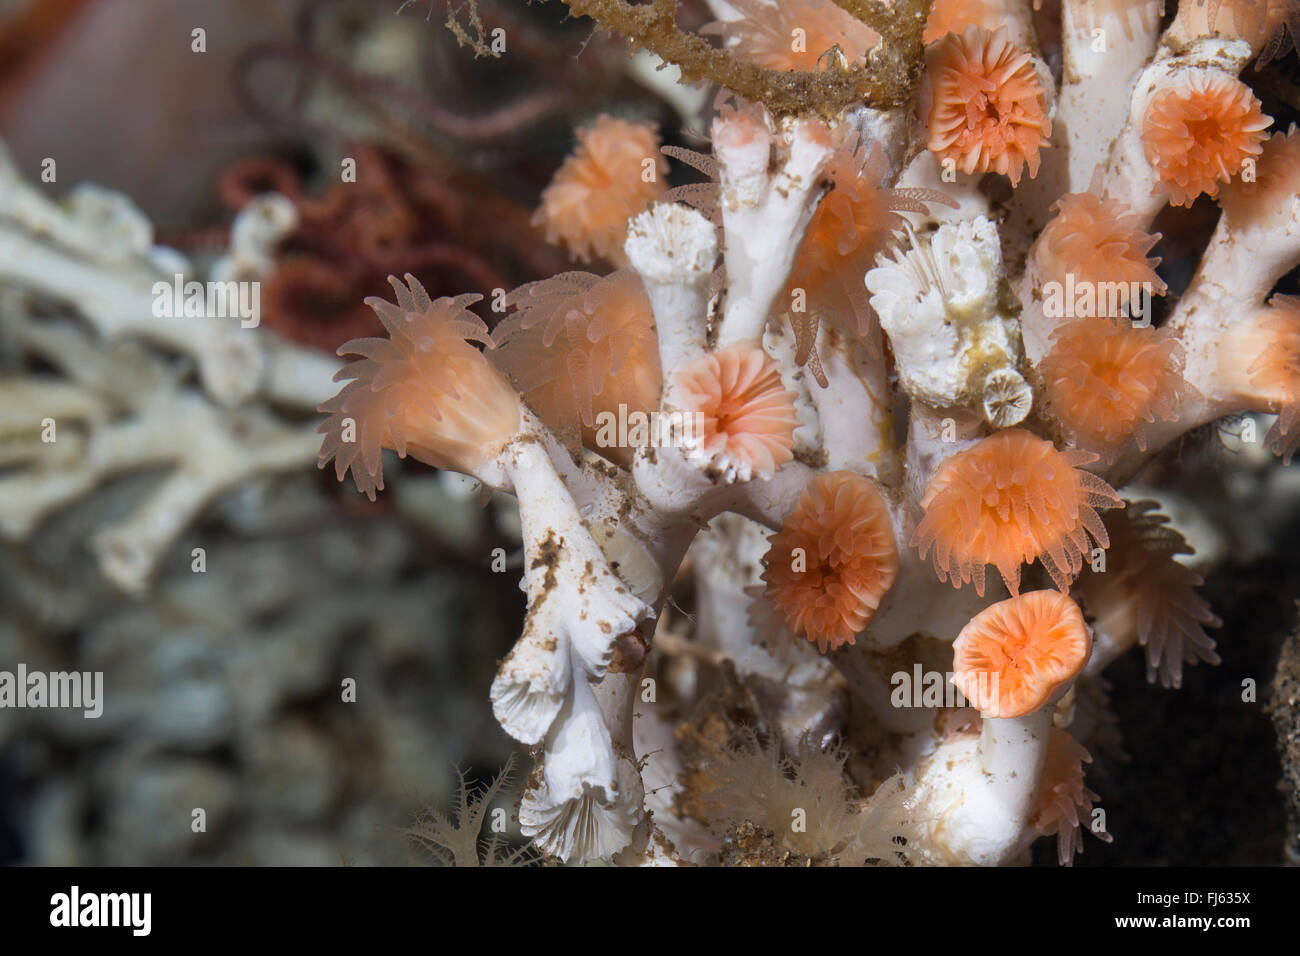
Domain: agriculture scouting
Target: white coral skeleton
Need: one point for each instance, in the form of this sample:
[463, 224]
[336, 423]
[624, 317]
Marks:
[92, 257]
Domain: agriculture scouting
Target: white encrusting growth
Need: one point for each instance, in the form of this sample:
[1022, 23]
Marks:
[939, 303]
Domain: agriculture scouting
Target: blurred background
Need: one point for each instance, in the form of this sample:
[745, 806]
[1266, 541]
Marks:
[223, 688]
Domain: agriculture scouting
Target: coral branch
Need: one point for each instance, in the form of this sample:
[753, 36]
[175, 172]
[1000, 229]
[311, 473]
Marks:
[886, 84]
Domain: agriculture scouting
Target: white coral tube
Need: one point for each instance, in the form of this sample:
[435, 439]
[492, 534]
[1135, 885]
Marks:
[673, 248]
[1105, 46]
[1129, 177]
[577, 605]
[587, 800]
[764, 215]
[982, 790]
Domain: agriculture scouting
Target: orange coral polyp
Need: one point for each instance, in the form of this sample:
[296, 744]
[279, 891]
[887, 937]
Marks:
[1201, 133]
[1098, 240]
[1275, 373]
[1106, 379]
[1275, 186]
[1146, 594]
[855, 221]
[747, 415]
[579, 347]
[833, 561]
[1015, 654]
[602, 185]
[954, 16]
[424, 391]
[766, 34]
[1064, 803]
[988, 111]
[1010, 499]
[1256, 21]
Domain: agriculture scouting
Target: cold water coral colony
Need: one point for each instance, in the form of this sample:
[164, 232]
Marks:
[868, 400]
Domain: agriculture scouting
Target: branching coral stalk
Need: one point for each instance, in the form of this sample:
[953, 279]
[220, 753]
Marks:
[207, 448]
[1094, 99]
[854, 408]
[673, 248]
[764, 216]
[886, 83]
[560, 552]
[1256, 242]
[1093, 102]
[1189, 113]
